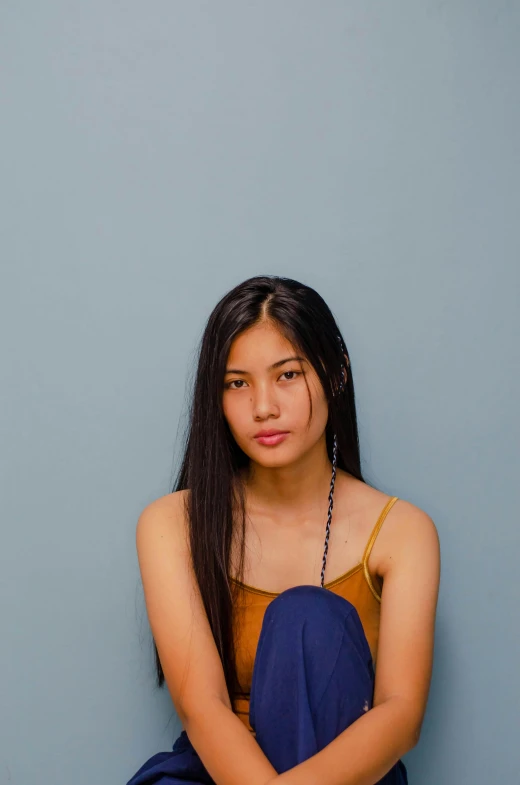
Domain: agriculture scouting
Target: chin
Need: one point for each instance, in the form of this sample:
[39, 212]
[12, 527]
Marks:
[274, 461]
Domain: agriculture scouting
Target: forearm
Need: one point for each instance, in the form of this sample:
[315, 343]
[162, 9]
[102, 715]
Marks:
[228, 751]
[361, 754]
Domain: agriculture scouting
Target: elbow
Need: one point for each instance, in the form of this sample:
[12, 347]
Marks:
[202, 714]
[187, 710]
[410, 721]
[405, 718]
[414, 734]
[189, 714]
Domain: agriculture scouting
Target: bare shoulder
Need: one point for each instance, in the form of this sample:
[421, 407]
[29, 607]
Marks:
[407, 528]
[164, 518]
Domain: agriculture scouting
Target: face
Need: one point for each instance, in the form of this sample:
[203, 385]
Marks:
[265, 390]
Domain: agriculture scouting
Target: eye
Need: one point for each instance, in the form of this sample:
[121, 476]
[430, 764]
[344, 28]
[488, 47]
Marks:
[241, 382]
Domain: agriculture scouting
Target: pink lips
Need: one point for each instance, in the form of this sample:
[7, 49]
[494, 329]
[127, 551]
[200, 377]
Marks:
[275, 438]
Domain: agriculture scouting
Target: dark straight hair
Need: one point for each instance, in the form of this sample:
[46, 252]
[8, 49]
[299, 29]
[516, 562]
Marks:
[212, 461]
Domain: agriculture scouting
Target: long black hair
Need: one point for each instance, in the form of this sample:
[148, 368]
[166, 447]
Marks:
[212, 460]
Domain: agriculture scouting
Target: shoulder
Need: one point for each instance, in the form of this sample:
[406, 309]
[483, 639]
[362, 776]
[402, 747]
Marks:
[405, 527]
[408, 532]
[412, 522]
[164, 518]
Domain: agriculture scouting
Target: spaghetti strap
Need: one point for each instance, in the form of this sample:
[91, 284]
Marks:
[384, 512]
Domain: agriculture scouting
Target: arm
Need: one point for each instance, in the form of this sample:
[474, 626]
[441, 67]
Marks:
[189, 657]
[365, 751]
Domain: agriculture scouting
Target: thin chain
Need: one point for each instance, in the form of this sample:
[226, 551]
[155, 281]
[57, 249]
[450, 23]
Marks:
[334, 462]
[331, 502]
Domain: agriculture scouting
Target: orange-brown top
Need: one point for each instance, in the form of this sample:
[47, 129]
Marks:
[356, 585]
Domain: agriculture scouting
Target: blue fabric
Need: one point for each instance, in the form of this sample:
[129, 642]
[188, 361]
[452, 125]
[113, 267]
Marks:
[313, 676]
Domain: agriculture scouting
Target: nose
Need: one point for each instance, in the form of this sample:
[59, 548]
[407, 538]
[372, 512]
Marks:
[265, 402]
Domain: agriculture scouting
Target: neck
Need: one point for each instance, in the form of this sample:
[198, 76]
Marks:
[297, 489]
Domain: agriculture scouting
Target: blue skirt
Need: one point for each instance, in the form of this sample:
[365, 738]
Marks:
[313, 677]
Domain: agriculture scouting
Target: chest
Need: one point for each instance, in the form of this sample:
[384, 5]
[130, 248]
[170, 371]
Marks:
[279, 556]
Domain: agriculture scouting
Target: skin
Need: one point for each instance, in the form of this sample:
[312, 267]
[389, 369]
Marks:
[287, 490]
[287, 486]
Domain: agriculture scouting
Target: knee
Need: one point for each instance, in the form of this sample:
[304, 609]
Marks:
[313, 619]
[310, 603]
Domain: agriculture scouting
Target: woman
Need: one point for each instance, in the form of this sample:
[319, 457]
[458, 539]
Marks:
[268, 612]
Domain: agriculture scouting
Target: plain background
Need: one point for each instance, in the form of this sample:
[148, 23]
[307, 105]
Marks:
[153, 155]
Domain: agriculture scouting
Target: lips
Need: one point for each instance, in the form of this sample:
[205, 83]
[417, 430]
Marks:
[269, 432]
[271, 437]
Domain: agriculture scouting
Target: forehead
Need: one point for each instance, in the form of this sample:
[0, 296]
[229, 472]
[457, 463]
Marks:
[259, 341]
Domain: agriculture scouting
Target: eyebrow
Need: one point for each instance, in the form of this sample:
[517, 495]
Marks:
[271, 367]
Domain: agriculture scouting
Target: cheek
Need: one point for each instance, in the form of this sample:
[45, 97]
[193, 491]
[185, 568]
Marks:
[236, 412]
[315, 396]
[320, 412]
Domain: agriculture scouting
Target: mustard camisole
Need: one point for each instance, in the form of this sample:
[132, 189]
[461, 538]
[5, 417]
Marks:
[356, 585]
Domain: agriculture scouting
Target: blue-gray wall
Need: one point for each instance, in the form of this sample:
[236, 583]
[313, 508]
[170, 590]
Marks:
[155, 154]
